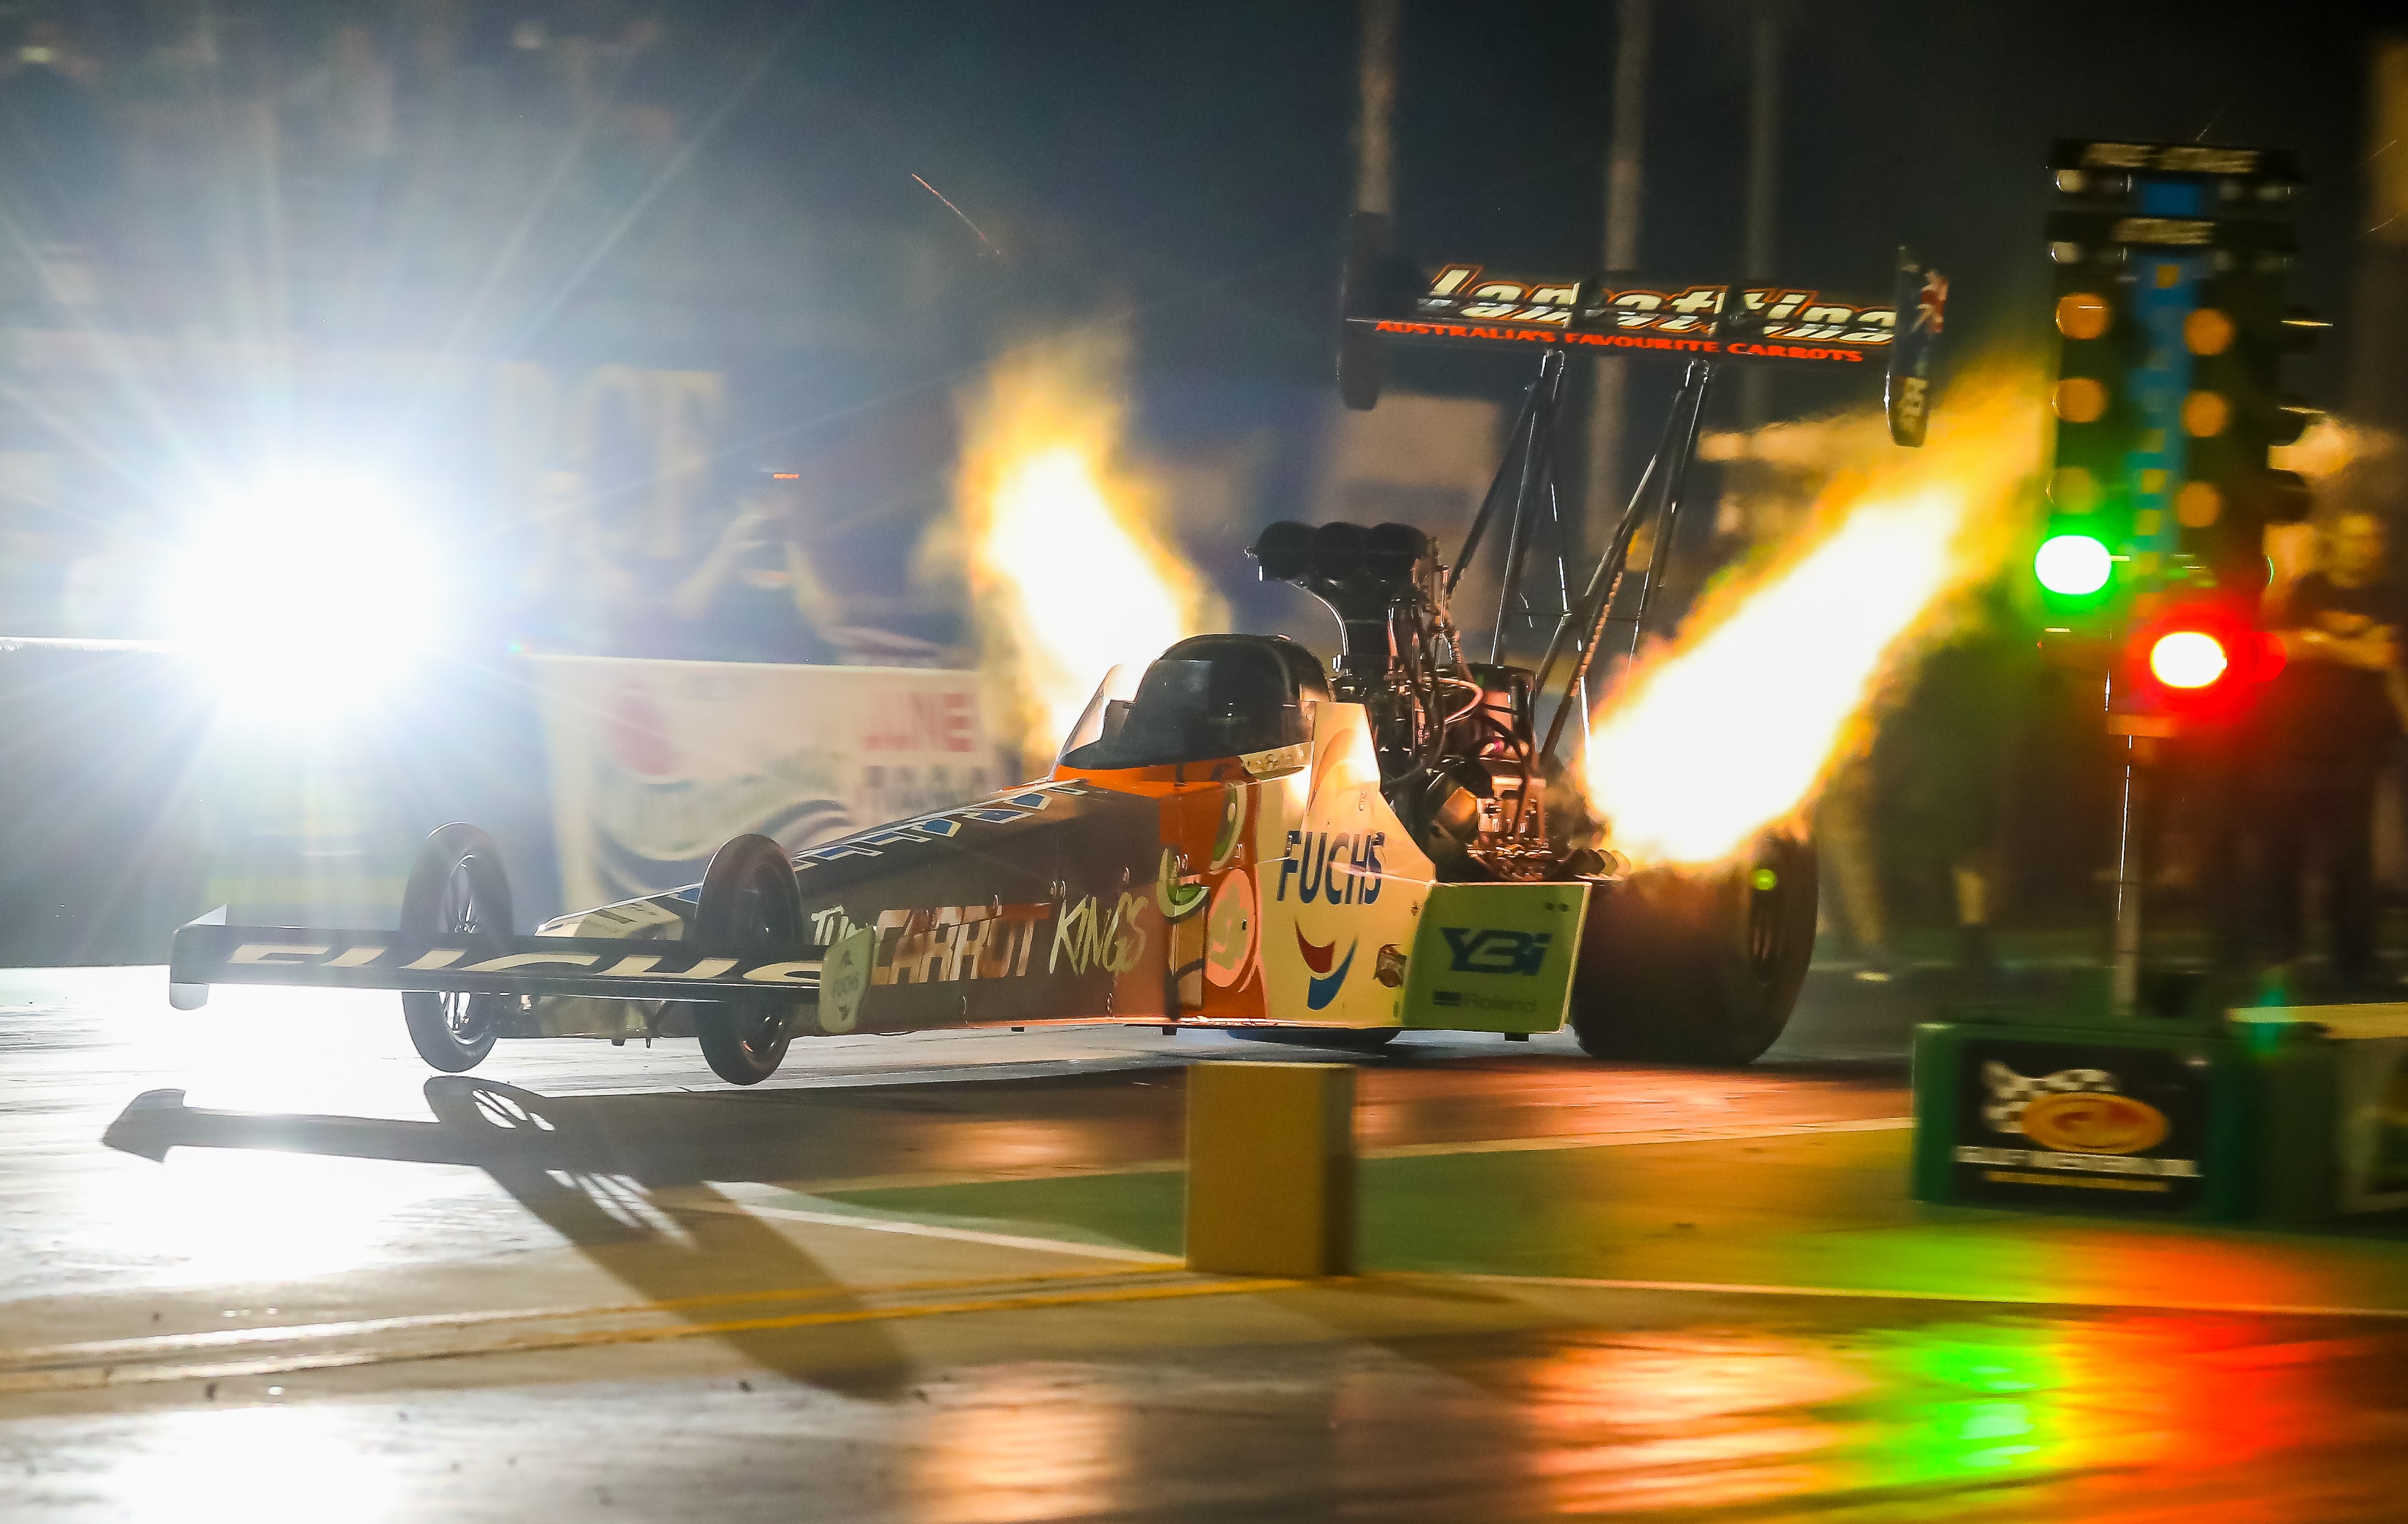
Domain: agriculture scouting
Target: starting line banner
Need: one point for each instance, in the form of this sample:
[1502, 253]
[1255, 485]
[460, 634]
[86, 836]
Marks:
[656, 764]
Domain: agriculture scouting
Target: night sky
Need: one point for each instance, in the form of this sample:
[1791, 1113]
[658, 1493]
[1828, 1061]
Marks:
[1198, 158]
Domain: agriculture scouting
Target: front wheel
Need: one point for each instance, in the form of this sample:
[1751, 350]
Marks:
[1697, 968]
[748, 905]
[456, 888]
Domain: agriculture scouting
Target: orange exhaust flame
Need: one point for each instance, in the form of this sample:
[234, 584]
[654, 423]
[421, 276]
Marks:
[1067, 569]
[1734, 725]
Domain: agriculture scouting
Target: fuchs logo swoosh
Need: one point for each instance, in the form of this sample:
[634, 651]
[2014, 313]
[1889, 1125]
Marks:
[1323, 989]
[1316, 957]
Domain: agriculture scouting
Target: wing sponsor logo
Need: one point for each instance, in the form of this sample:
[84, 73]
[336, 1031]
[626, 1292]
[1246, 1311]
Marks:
[1459, 291]
[1491, 951]
[1625, 341]
[564, 958]
[942, 825]
[1322, 985]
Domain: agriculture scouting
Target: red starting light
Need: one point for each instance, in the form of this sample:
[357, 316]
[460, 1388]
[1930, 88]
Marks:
[2204, 660]
[2190, 659]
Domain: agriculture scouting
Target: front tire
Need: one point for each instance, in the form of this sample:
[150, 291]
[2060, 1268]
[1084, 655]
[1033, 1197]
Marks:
[457, 888]
[748, 905]
[1690, 969]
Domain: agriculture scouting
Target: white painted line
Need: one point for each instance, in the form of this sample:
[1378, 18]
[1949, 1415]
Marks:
[926, 1229]
[2007, 1299]
[97, 1351]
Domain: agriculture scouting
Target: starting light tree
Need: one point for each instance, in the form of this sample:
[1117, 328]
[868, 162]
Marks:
[2090, 510]
[2170, 260]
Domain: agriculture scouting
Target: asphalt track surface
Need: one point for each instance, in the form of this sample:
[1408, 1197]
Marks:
[257, 1263]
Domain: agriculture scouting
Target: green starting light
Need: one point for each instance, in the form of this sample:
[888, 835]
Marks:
[2073, 565]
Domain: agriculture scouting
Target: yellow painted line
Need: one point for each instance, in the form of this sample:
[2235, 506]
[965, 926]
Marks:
[1997, 1299]
[91, 1377]
[112, 1351]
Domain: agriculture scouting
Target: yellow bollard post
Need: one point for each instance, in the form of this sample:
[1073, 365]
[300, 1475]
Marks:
[1271, 1169]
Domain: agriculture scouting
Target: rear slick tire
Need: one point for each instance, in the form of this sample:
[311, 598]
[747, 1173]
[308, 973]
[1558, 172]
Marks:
[1697, 968]
[747, 905]
[457, 888]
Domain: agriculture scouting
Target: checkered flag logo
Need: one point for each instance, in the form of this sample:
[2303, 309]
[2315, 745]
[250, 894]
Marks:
[2010, 1092]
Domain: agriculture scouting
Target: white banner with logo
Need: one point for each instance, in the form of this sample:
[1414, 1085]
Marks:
[656, 764]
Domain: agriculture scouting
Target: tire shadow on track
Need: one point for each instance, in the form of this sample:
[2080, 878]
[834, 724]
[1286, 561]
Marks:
[606, 1174]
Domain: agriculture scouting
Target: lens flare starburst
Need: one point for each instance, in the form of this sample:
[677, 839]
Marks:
[1732, 727]
[308, 592]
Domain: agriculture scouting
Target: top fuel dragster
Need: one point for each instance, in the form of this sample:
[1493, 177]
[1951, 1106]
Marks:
[1234, 837]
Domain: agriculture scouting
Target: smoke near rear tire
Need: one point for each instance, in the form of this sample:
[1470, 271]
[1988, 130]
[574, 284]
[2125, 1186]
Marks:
[1697, 968]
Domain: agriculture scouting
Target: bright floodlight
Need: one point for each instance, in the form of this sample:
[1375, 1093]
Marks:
[308, 595]
[2073, 565]
[2187, 659]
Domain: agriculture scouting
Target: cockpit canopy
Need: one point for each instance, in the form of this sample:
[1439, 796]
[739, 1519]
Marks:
[1205, 697]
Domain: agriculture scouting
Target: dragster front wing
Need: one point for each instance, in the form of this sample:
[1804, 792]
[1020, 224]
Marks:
[208, 952]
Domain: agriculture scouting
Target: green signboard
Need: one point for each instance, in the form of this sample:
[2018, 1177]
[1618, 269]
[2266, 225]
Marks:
[1495, 957]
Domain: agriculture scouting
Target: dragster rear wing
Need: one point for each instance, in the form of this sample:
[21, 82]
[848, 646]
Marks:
[1384, 297]
[208, 952]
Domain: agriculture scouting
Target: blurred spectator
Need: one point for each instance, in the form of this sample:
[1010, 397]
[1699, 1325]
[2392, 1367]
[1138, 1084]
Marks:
[592, 588]
[756, 597]
[1845, 835]
[558, 595]
[1951, 758]
[1935, 790]
[2326, 732]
